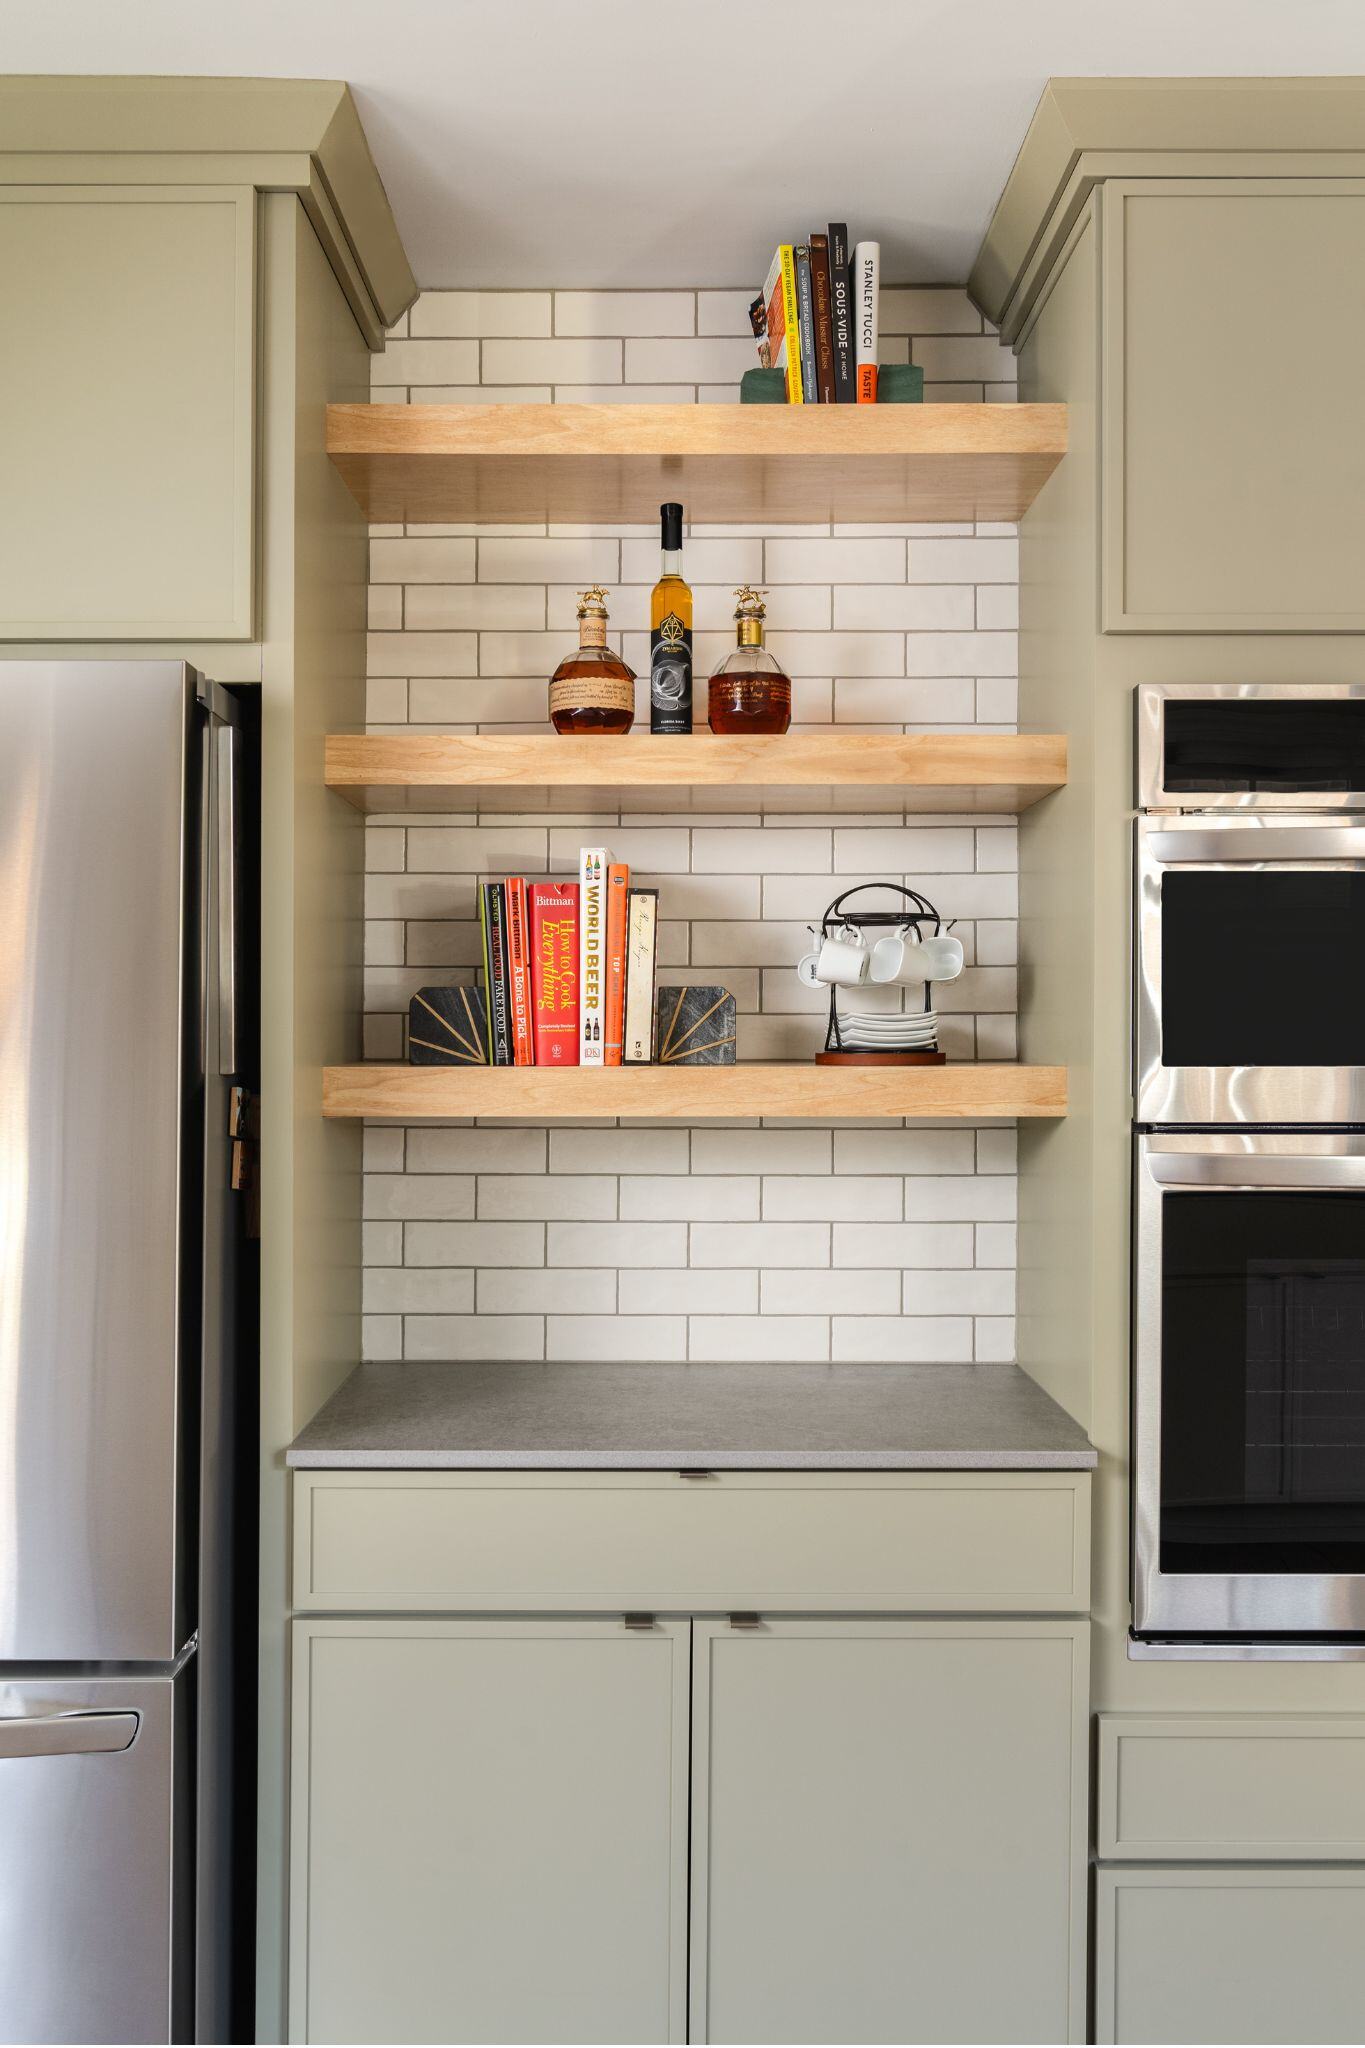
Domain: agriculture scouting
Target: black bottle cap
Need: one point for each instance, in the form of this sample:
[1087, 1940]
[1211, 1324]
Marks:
[670, 527]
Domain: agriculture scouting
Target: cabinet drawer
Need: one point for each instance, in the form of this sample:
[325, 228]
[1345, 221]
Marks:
[1250, 1787]
[866, 1542]
[1229, 1955]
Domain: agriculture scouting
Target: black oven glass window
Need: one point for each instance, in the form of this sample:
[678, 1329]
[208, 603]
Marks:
[1268, 744]
[1263, 1383]
[1262, 967]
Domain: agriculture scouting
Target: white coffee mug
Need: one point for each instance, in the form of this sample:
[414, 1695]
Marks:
[941, 958]
[843, 959]
[896, 957]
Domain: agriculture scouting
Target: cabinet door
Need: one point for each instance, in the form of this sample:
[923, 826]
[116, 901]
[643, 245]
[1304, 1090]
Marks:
[1229, 1955]
[490, 1831]
[888, 1831]
[127, 373]
[1234, 409]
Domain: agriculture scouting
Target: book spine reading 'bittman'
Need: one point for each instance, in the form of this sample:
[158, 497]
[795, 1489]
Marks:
[824, 333]
[867, 262]
[805, 314]
[642, 924]
[841, 313]
[618, 885]
[552, 916]
[791, 325]
[593, 862]
[494, 906]
[518, 974]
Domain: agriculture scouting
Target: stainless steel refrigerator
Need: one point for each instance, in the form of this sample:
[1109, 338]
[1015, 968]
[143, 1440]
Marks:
[120, 795]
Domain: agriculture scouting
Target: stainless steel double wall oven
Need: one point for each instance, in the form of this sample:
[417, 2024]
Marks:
[1249, 1099]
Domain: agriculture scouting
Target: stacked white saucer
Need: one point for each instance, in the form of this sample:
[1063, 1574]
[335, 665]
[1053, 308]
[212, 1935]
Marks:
[875, 1031]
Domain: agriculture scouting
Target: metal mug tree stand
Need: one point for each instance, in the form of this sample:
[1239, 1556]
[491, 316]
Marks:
[920, 911]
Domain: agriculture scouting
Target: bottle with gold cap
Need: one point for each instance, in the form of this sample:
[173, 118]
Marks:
[748, 691]
[592, 690]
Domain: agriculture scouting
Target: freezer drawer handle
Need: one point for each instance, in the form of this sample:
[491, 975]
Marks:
[65, 1734]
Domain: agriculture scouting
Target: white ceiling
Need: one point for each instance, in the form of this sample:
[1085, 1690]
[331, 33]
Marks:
[654, 142]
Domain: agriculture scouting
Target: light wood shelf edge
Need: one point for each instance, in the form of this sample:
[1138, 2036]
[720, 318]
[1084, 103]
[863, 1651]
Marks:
[756, 1088]
[1009, 771]
[779, 464]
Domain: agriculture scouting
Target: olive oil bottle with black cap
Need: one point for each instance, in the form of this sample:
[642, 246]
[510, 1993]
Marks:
[670, 633]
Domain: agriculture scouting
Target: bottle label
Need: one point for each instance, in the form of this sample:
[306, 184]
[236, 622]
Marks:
[592, 693]
[670, 676]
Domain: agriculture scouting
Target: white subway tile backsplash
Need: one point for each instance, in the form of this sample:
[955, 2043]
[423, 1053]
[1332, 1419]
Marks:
[616, 1337]
[760, 1244]
[560, 361]
[789, 1338]
[426, 362]
[700, 359]
[902, 1340]
[830, 1293]
[732, 1239]
[480, 314]
[516, 1290]
[472, 606]
[850, 1198]
[616, 1244]
[422, 561]
[625, 313]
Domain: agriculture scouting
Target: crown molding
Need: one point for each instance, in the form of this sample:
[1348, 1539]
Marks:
[300, 135]
[1087, 129]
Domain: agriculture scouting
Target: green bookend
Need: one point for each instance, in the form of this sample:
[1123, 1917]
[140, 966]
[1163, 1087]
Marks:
[900, 384]
[763, 387]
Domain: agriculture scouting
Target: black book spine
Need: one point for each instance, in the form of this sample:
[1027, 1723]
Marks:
[841, 313]
[499, 969]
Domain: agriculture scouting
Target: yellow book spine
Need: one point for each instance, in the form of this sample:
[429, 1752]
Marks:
[793, 326]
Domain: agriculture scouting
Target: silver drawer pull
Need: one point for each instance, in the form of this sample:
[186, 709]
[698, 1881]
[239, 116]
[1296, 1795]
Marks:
[639, 1621]
[746, 1621]
[66, 1734]
[695, 1472]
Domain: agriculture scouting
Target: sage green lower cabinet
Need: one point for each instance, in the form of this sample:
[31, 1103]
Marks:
[889, 1831]
[1251, 1954]
[490, 1831]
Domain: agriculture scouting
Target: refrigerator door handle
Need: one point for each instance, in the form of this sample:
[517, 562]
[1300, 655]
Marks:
[62, 1734]
[226, 740]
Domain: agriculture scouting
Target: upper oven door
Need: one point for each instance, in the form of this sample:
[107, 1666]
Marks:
[1250, 984]
[1251, 746]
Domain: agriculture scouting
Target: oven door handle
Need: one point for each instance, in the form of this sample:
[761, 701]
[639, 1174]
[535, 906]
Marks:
[1172, 845]
[1262, 1170]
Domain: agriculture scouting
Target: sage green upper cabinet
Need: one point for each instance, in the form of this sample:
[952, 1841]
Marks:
[127, 413]
[889, 1831]
[490, 1831]
[1234, 407]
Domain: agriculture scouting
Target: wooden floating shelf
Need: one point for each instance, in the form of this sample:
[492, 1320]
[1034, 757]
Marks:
[692, 1094]
[768, 464]
[938, 772]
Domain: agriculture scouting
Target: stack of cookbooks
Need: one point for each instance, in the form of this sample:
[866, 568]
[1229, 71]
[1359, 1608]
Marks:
[816, 319]
[569, 967]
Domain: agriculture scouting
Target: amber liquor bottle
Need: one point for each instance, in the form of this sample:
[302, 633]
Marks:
[592, 690]
[749, 692]
[670, 633]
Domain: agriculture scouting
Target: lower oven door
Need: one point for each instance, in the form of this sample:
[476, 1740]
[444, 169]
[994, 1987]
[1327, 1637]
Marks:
[1250, 982]
[1249, 1388]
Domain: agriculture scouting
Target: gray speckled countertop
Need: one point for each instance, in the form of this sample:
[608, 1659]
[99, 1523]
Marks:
[506, 1416]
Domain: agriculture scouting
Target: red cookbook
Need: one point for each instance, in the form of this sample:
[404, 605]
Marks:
[553, 918]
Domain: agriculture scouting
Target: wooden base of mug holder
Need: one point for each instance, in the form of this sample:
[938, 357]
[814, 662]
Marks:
[881, 1059]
